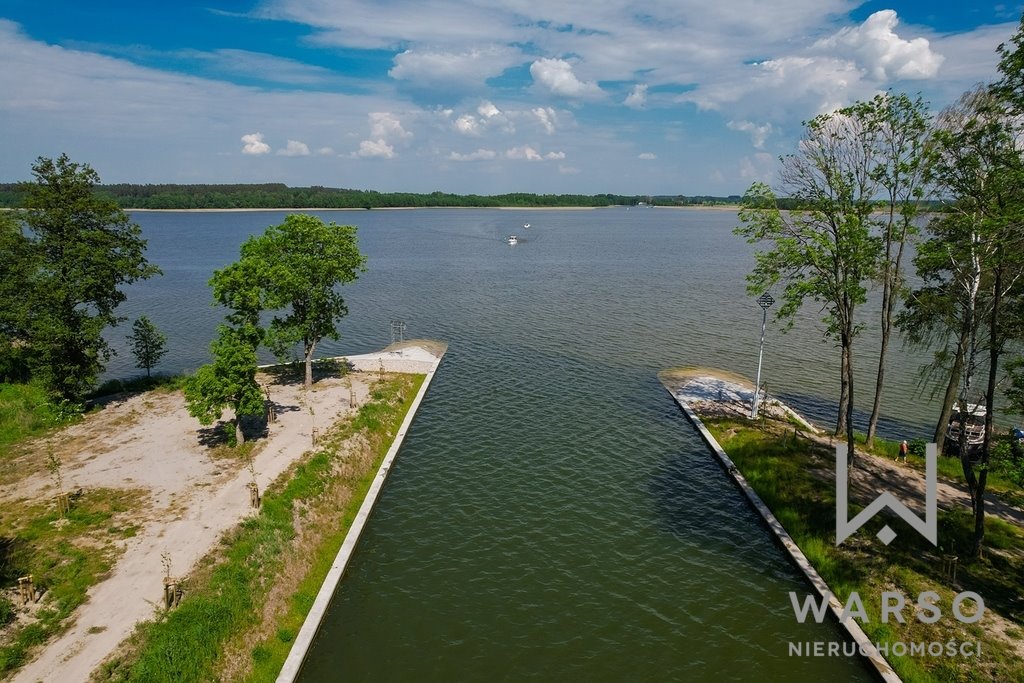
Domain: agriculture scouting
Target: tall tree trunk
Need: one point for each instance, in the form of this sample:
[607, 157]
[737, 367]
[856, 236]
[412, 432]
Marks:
[949, 398]
[848, 344]
[888, 299]
[994, 350]
[309, 348]
[876, 406]
[239, 434]
[844, 391]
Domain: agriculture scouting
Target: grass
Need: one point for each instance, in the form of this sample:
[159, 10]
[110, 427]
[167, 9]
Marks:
[224, 602]
[136, 385]
[793, 477]
[27, 410]
[65, 559]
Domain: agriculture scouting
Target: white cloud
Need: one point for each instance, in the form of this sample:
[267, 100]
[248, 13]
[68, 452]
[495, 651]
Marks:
[637, 98]
[548, 118]
[478, 155]
[647, 156]
[490, 119]
[325, 151]
[254, 144]
[758, 134]
[556, 75]
[554, 156]
[387, 126]
[876, 47]
[295, 149]
[467, 125]
[260, 65]
[375, 148]
[759, 167]
[524, 152]
[432, 67]
[487, 110]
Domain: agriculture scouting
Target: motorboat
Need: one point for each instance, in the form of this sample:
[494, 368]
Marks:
[526, 225]
[971, 421]
[512, 239]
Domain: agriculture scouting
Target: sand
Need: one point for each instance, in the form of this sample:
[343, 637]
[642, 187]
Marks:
[150, 442]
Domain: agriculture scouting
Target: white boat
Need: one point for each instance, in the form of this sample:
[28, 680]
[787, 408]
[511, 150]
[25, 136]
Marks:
[971, 421]
[512, 239]
[526, 225]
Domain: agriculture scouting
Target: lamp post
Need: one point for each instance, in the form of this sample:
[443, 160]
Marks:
[765, 301]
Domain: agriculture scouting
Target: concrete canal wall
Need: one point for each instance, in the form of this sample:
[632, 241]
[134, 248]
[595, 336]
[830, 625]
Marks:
[782, 537]
[417, 357]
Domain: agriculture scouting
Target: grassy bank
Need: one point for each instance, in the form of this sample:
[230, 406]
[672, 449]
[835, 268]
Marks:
[27, 410]
[245, 604]
[794, 477]
[65, 554]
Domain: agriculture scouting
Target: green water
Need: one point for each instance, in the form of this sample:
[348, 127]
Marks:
[552, 514]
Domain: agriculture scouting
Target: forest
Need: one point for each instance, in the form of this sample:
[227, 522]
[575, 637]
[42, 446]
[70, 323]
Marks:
[280, 196]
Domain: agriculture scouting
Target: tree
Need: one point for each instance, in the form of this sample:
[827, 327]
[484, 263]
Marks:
[976, 253]
[298, 267]
[148, 343]
[824, 252]
[229, 381]
[87, 249]
[897, 126]
[17, 275]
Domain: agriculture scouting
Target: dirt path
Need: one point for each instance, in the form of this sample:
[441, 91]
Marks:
[149, 441]
[713, 393]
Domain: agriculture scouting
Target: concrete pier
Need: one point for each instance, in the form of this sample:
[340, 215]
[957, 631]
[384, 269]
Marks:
[730, 391]
[412, 356]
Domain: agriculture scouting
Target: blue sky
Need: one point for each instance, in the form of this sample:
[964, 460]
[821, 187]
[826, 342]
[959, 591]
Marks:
[468, 96]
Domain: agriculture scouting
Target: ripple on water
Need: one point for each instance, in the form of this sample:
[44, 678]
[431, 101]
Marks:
[552, 515]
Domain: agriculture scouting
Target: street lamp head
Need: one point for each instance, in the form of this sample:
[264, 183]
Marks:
[765, 301]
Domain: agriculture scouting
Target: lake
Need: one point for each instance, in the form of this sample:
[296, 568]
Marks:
[552, 514]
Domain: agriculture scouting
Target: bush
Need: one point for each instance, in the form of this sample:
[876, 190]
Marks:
[1005, 463]
[917, 446]
[7, 611]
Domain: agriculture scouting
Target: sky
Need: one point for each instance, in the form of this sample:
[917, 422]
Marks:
[466, 96]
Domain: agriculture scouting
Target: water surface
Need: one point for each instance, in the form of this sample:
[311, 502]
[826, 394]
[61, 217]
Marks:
[552, 514]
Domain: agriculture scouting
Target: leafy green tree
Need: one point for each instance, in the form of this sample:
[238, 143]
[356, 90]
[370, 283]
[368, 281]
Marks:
[977, 252]
[298, 267]
[897, 127]
[148, 343]
[824, 252]
[229, 381]
[87, 249]
[17, 275]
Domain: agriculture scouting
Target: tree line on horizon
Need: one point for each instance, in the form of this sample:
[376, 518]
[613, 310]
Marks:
[280, 196]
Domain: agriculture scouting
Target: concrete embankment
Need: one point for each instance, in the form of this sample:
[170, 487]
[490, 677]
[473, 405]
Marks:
[416, 356]
[716, 392]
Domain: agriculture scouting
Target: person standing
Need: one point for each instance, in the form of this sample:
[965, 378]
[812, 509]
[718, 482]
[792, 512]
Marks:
[904, 448]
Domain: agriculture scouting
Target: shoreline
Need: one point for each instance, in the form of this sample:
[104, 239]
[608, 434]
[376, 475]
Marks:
[430, 208]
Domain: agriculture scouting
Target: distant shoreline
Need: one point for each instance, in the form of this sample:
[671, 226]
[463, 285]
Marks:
[413, 208]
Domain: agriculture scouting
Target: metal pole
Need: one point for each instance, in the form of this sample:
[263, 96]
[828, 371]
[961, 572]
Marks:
[764, 301]
[760, 355]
